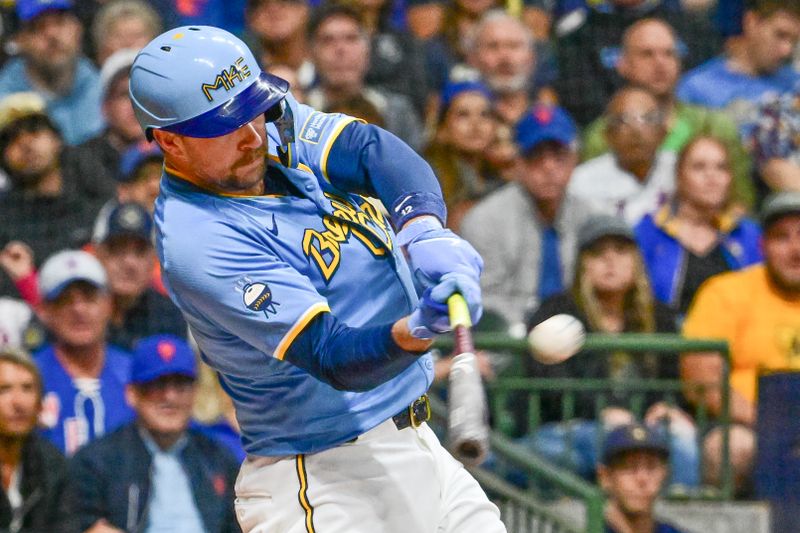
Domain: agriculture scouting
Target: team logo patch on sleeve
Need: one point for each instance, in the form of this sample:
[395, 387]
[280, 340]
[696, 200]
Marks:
[258, 297]
[312, 129]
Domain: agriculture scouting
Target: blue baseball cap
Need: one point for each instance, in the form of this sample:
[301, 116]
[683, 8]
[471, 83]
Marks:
[633, 437]
[544, 123]
[30, 9]
[455, 88]
[162, 355]
[135, 157]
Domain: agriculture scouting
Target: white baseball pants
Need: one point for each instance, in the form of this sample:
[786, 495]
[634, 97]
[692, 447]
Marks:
[387, 481]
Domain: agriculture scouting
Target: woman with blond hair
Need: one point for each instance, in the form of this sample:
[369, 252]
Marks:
[610, 294]
[701, 232]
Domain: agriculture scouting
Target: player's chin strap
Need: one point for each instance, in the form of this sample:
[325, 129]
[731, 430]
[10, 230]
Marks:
[285, 126]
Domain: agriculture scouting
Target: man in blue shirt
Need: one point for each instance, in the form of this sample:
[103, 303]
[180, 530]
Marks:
[84, 377]
[154, 474]
[51, 64]
[299, 294]
[754, 64]
[633, 469]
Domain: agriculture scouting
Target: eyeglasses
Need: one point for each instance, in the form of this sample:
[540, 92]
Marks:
[631, 120]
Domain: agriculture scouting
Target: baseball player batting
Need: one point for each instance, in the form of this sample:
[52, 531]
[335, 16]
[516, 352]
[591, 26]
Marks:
[302, 296]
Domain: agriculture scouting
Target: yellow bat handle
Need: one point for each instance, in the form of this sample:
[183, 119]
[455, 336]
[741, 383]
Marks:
[459, 312]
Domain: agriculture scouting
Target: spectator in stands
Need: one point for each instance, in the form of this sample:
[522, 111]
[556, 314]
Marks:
[34, 472]
[30, 149]
[588, 48]
[775, 142]
[757, 310]
[290, 75]
[502, 51]
[446, 50]
[610, 294]
[127, 253]
[755, 64]
[51, 64]
[84, 376]
[137, 179]
[154, 474]
[227, 14]
[16, 259]
[526, 230]
[650, 59]
[635, 177]
[95, 163]
[277, 35]
[700, 233]
[139, 175]
[340, 50]
[632, 471]
[424, 18]
[457, 153]
[123, 24]
[396, 59]
[15, 316]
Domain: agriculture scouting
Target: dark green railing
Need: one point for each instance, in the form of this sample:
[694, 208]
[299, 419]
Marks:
[521, 511]
[561, 479]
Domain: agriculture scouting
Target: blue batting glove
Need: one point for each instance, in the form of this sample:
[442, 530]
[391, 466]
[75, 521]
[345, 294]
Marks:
[434, 251]
[431, 317]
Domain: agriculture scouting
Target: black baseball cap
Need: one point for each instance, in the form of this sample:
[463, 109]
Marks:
[129, 219]
[631, 438]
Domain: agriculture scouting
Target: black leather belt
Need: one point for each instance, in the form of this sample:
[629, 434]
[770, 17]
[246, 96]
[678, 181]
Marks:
[414, 415]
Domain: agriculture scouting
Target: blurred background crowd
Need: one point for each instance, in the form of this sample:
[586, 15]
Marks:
[634, 163]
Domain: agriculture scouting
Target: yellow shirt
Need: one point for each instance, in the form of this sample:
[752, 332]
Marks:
[761, 327]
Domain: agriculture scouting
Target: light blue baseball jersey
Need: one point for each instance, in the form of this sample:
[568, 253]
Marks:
[250, 272]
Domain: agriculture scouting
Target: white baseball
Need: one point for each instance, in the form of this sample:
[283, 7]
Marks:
[556, 339]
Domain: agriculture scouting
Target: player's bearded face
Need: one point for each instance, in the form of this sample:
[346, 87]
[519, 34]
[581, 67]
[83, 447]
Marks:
[233, 163]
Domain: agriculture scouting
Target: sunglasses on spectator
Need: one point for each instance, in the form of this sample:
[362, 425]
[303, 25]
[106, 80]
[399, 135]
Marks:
[631, 120]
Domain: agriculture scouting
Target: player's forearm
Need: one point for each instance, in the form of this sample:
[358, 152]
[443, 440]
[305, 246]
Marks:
[354, 359]
[387, 166]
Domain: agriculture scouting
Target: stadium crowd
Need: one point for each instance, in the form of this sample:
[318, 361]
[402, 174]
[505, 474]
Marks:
[634, 163]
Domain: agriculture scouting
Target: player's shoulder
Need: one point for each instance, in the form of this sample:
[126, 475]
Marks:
[185, 214]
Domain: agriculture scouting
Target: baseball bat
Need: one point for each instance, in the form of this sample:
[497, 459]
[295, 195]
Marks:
[467, 413]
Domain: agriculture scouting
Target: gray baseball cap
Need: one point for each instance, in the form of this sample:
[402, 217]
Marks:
[778, 205]
[64, 268]
[597, 227]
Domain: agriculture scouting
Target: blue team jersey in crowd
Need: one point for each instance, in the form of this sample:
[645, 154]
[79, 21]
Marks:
[250, 272]
[77, 114]
[713, 84]
[78, 411]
